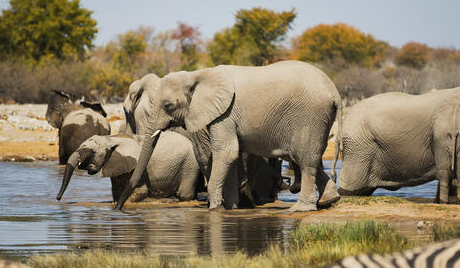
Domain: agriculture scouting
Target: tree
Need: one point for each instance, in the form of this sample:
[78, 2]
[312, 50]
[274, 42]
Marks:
[414, 55]
[253, 39]
[339, 42]
[40, 29]
[189, 38]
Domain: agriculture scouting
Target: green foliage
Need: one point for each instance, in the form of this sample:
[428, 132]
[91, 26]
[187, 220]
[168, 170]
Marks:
[253, 39]
[339, 42]
[414, 55]
[44, 29]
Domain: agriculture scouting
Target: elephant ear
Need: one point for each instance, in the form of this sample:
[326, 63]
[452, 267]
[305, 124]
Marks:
[212, 94]
[95, 106]
[120, 160]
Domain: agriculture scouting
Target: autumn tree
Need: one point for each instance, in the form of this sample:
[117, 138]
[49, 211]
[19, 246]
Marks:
[253, 39]
[414, 55]
[339, 42]
[188, 38]
[40, 29]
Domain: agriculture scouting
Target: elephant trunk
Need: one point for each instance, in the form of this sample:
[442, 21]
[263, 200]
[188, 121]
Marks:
[72, 163]
[148, 145]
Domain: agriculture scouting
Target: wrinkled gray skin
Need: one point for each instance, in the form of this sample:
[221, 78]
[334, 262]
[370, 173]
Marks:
[281, 110]
[395, 140]
[171, 171]
[259, 182]
[76, 122]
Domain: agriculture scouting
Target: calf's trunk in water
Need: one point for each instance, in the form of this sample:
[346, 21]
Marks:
[72, 163]
[148, 145]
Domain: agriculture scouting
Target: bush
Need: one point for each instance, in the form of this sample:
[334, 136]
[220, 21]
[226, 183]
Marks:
[414, 55]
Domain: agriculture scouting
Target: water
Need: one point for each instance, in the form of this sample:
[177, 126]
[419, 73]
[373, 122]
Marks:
[31, 221]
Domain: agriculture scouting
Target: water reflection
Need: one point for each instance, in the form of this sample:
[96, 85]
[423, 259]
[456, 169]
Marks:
[31, 221]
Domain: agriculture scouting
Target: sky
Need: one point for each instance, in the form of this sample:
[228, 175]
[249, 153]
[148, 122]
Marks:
[435, 23]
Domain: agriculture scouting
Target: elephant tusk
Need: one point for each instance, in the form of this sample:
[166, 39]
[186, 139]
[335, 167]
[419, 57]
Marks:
[156, 133]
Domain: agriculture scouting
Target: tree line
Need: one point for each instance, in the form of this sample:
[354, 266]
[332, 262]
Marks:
[48, 44]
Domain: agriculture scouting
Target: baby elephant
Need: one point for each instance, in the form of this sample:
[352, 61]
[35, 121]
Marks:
[172, 170]
[76, 122]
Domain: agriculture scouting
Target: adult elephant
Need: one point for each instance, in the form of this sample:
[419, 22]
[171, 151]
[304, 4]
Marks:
[172, 170]
[395, 140]
[258, 183]
[285, 109]
[76, 121]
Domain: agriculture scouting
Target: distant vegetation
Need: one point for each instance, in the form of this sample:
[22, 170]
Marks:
[48, 45]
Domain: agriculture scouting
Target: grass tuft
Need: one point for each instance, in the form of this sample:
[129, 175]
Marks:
[323, 244]
[443, 232]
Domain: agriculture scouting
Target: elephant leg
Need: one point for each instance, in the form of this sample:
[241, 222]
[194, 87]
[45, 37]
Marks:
[187, 187]
[444, 185]
[223, 183]
[307, 199]
[139, 194]
[295, 187]
[326, 188]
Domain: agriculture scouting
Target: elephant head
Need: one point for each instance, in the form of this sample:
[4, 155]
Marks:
[60, 105]
[138, 104]
[112, 155]
[190, 99]
[446, 131]
[57, 104]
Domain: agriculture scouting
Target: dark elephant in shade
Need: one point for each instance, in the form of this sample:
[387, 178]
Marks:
[284, 110]
[259, 182]
[76, 122]
[396, 140]
[172, 170]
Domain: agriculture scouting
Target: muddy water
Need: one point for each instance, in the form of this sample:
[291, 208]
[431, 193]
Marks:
[31, 221]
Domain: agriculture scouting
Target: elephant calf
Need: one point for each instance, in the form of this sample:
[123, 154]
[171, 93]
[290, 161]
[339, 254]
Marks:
[395, 140]
[76, 122]
[172, 170]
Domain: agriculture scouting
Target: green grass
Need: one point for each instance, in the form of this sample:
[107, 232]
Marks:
[312, 245]
[443, 232]
[364, 200]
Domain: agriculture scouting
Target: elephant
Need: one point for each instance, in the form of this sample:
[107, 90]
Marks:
[259, 182]
[76, 121]
[171, 171]
[284, 109]
[394, 140]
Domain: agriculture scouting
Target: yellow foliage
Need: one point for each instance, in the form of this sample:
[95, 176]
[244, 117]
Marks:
[339, 42]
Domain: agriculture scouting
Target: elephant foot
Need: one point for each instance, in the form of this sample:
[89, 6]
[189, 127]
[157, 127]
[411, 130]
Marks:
[217, 208]
[301, 206]
[295, 188]
[329, 197]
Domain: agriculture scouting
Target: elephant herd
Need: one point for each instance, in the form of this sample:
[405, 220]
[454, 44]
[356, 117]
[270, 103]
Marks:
[224, 129]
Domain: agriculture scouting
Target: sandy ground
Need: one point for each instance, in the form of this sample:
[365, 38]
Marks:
[25, 135]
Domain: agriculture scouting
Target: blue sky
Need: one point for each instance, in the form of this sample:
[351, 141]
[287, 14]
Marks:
[436, 23]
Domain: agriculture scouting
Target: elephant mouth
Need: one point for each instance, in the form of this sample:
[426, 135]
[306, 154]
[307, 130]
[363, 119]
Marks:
[92, 169]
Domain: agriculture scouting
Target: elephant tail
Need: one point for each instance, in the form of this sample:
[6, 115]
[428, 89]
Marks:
[338, 138]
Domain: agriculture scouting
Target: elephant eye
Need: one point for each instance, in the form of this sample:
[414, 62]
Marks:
[168, 105]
